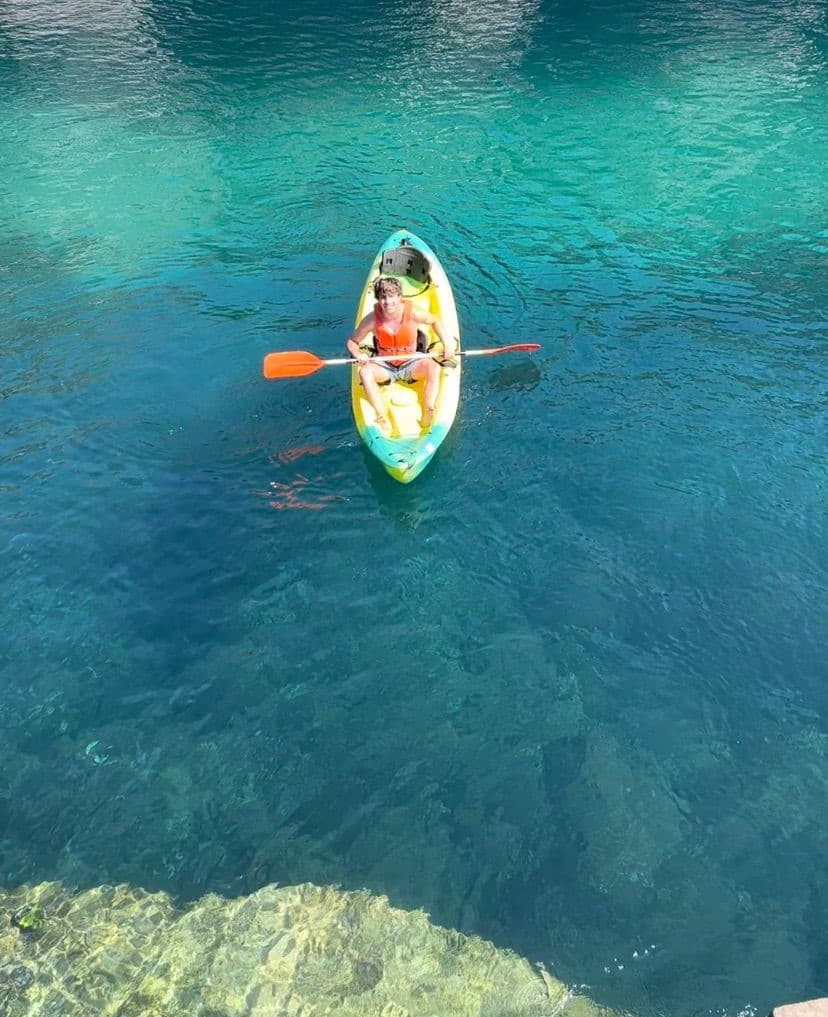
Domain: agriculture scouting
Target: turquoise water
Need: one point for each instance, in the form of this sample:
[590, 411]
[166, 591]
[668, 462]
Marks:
[568, 690]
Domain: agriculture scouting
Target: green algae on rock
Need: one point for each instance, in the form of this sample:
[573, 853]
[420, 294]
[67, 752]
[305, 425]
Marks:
[304, 950]
[28, 918]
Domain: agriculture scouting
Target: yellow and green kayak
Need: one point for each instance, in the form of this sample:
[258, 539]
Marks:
[408, 448]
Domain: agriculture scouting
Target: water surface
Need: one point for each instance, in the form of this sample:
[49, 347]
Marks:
[568, 690]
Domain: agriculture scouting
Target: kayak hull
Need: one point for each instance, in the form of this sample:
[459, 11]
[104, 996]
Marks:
[408, 448]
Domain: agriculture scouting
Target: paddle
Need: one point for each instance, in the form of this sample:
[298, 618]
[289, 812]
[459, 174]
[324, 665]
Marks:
[298, 363]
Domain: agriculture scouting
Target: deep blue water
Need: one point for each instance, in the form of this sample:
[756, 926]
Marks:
[568, 690]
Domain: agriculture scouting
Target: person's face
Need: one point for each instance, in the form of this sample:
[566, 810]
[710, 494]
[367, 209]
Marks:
[390, 301]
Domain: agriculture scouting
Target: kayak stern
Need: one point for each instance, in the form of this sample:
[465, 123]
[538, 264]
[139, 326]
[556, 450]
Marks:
[404, 460]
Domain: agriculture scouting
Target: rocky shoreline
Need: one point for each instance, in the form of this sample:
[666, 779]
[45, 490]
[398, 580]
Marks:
[118, 951]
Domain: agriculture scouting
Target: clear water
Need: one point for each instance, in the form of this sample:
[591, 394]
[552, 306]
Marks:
[568, 690]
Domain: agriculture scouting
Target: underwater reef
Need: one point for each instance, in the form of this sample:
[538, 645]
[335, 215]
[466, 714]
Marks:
[118, 951]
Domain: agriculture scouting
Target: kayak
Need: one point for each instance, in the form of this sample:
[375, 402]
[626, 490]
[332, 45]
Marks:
[407, 448]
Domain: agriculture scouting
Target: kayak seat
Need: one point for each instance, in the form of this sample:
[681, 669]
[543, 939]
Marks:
[407, 261]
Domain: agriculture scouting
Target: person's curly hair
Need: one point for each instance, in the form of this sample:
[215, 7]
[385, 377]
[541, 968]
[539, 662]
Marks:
[385, 283]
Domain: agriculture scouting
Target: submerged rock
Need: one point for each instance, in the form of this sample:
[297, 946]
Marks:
[303, 950]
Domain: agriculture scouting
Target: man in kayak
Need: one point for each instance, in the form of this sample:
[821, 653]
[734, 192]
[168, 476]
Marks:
[394, 323]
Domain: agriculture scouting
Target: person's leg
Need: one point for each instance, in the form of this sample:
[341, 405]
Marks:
[371, 375]
[429, 371]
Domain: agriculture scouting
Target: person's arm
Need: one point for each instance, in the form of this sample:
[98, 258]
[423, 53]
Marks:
[449, 348]
[362, 330]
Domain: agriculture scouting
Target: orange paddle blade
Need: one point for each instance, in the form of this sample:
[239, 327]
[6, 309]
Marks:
[290, 364]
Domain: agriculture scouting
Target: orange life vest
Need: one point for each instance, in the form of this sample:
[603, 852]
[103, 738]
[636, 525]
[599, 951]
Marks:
[404, 340]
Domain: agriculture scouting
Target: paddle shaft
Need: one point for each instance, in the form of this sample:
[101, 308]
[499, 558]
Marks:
[298, 363]
[378, 360]
[427, 356]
